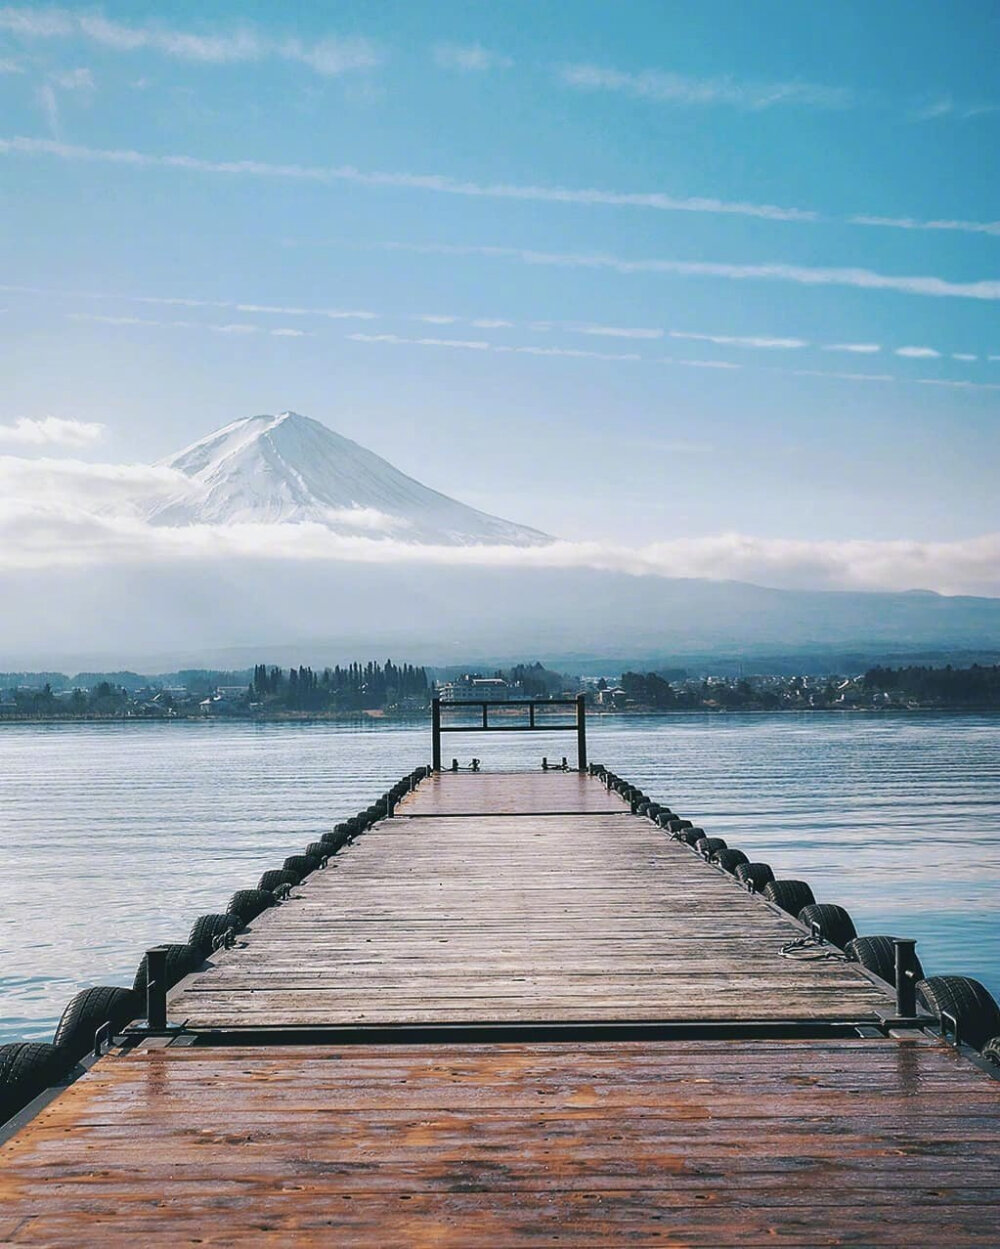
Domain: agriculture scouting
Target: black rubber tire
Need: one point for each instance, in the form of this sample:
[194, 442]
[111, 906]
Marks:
[835, 925]
[790, 895]
[180, 960]
[301, 863]
[276, 877]
[332, 842]
[756, 874]
[87, 1011]
[652, 810]
[249, 903]
[664, 818]
[689, 836]
[991, 1051]
[206, 928]
[707, 846]
[729, 859]
[675, 825]
[970, 1002]
[28, 1068]
[318, 851]
[343, 829]
[878, 955]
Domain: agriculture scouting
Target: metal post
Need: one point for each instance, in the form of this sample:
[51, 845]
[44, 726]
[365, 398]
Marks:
[906, 980]
[436, 733]
[156, 988]
[581, 732]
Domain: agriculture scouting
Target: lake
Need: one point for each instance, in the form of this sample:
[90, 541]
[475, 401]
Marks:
[115, 836]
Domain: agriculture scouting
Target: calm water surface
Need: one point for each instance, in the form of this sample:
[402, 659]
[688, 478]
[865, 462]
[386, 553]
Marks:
[114, 837]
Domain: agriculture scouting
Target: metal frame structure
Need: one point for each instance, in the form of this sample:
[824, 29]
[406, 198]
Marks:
[579, 726]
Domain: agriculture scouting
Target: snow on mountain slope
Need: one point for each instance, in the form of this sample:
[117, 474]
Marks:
[290, 468]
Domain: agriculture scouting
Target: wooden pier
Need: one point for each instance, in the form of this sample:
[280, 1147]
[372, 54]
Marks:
[516, 1014]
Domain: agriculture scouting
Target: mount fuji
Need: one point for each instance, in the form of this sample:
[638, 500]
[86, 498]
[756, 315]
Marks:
[289, 468]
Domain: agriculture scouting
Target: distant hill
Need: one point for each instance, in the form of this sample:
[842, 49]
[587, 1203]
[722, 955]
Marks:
[159, 618]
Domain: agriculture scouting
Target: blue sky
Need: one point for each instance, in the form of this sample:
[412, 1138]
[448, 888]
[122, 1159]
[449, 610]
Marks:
[634, 272]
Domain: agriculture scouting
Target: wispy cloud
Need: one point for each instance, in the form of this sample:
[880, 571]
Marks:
[701, 364]
[436, 183]
[237, 328]
[955, 384]
[912, 223]
[948, 106]
[803, 275]
[469, 58]
[738, 340]
[400, 340]
[614, 331]
[572, 353]
[442, 184]
[669, 88]
[50, 431]
[845, 377]
[245, 43]
[639, 333]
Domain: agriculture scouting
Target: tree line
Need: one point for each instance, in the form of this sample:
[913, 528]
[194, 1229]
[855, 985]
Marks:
[356, 687]
[977, 686]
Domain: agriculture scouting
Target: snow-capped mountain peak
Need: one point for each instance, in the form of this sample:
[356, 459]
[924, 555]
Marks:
[289, 468]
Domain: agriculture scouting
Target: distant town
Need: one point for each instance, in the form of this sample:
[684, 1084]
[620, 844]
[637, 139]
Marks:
[268, 692]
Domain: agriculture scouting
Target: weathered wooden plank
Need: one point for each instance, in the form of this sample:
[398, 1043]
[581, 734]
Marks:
[709, 1143]
[501, 793]
[594, 916]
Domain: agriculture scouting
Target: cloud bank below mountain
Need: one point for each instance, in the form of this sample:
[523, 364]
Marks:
[62, 513]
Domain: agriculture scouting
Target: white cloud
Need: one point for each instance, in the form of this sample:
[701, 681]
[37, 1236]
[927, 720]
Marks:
[469, 58]
[432, 318]
[244, 43]
[614, 331]
[917, 353]
[234, 328]
[398, 340]
[64, 514]
[442, 184]
[911, 223]
[957, 385]
[846, 377]
[48, 102]
[570, 352]
[7, 66]
[965, 356]
[670, 88]
[491, 323]
[862, 279]
[731, 340]
[49, 431]
[701, 364]
[436, 183]
[861, 349]
[73, 80]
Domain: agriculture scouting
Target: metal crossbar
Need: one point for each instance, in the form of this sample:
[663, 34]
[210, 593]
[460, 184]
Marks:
[579, 725]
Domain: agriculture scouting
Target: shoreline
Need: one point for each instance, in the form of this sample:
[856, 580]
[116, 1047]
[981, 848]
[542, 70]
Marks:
[421, 717]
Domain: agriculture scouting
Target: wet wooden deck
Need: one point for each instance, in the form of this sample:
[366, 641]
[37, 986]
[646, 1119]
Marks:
[466, 909]
[590, 915]
[846, 1142]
